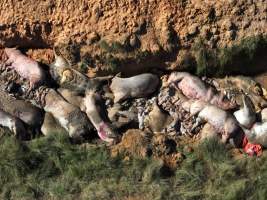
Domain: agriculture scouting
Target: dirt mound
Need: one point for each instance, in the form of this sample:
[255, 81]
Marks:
[136, 143]
[117, 35]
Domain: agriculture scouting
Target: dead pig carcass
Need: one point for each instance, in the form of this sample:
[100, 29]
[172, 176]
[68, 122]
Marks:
[138, 86]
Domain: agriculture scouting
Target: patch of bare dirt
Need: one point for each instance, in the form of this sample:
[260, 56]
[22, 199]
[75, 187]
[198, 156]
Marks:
[41, 55]
[136, 143]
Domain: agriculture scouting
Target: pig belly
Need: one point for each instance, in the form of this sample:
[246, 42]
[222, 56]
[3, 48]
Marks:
[26, 67]
[215, 117]
[191, 89]
[22, 70]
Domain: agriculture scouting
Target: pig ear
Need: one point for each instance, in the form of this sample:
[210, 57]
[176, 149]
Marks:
[118, 75]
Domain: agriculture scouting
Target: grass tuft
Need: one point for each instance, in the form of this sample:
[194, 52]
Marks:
[113, 47]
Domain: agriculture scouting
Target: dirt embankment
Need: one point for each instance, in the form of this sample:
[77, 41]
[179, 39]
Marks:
[113, 34]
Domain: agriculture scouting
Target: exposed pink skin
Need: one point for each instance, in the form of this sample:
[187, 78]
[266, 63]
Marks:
[102, 132]
[194, 88]
[25, 67]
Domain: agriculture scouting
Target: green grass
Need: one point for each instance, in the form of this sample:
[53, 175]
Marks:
[241, 58]
[113, 47]
[52, 168]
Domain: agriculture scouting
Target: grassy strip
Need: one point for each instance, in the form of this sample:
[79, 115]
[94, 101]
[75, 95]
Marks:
[240, 58]
[52, 168]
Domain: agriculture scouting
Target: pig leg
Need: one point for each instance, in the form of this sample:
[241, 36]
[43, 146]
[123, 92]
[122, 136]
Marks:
[31, 86]
[104, 131]
[29, 89]
[192, 115]
[225, 137]
[10, 65]
[118, 96]
[175, 86]
[103, 78]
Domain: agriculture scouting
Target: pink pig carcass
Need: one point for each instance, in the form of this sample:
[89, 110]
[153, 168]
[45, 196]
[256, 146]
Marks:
[222, 121]
[26, 67]
[194, 88]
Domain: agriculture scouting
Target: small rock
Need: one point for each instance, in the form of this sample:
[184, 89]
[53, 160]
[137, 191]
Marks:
[215, 31]
[231, 35]
[92, 38]
[227, 25]
[134, 41]
[206, 33]
[245, 24]
[97, 13]
[193, 29]
[155, 48]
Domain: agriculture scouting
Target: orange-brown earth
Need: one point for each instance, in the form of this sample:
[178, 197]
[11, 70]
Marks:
[162, 31]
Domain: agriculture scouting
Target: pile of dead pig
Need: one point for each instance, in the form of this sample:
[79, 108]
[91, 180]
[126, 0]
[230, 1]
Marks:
[142, 114]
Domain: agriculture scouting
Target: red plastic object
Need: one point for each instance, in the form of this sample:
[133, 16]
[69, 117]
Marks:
[251, 149]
